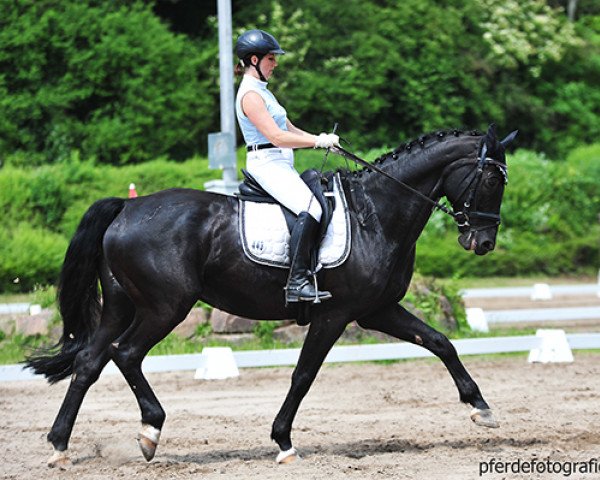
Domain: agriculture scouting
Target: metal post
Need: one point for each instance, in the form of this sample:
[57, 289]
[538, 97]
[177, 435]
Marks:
[572, 9]
[226, 77]
[221, 145]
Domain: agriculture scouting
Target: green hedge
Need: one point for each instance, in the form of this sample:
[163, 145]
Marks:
[516, 254]
[29, 256]
[41, 208]
[550, 214]
[550, 217]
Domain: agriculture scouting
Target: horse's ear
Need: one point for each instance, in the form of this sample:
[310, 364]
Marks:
[509, 138]
[490, 138]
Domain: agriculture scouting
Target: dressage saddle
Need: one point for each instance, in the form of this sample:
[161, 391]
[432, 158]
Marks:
[321, 185]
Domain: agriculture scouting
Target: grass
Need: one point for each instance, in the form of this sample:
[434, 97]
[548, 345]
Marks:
[15, 348]
[43, 295]
[16, 297]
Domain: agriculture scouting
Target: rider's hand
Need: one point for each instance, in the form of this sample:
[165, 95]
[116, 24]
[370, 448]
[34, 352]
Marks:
[327, 140]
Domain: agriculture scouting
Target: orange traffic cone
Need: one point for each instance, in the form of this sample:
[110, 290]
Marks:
[132, 192]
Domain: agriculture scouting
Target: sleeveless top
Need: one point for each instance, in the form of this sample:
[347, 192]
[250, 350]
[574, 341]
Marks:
[252, 135]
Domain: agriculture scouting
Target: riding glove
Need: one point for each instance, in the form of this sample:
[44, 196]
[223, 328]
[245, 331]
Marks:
[327, 140]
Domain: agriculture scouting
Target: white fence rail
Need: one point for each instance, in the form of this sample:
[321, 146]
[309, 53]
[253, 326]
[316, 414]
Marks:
[389, 351]
[480, 319]
[353, 353]
[542, 314]
[505, 292]
[12, 308]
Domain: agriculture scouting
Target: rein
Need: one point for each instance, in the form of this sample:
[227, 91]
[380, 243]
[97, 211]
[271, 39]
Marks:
[462, 218]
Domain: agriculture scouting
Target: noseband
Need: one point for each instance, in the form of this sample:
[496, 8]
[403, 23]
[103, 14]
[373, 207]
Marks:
[464, 216]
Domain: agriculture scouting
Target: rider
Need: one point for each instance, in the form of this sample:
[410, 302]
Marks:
[270, 138]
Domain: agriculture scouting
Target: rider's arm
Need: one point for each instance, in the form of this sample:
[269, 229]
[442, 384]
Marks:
[255, 109]
[293, 128]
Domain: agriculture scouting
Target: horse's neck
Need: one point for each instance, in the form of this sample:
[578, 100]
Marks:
[422, 165]
[401, 213]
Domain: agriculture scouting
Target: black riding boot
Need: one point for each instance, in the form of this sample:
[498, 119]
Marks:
[300, 286]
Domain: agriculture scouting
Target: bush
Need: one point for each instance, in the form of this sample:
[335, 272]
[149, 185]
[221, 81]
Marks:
[438, 304]
[557, 198]
[517, 253]
[43, 206]
[29, 256]
[44, 296]
[106, 78]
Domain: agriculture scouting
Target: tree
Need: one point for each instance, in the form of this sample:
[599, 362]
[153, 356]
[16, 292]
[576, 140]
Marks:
[104, 78]
[526, 33]
[386, 71]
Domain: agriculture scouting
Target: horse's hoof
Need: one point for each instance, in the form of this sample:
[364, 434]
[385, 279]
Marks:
[288, 456]
[148, 441]
[484, 418]
[59, 460]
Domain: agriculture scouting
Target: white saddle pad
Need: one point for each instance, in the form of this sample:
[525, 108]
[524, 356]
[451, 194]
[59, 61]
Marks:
[266, 239]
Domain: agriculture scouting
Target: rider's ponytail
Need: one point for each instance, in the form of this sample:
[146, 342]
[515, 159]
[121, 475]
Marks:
[239, 69]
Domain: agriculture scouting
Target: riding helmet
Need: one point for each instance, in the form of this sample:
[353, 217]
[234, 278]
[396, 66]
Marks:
[256, 42]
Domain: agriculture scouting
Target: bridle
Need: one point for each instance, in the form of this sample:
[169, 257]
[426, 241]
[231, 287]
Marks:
[468, 212]
[464, 216]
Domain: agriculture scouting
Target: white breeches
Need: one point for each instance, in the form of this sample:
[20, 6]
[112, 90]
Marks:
[273, 169]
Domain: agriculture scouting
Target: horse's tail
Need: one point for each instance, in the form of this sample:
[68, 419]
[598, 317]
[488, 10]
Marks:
[78, 296]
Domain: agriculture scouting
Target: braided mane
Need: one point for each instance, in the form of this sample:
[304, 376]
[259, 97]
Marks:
[422, 142]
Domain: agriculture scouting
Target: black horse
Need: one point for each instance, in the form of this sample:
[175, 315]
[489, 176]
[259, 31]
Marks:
[155, 256]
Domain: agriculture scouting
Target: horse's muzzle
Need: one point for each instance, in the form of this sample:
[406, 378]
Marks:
[473, 240]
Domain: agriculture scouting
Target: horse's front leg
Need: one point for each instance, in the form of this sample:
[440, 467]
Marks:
[322, 334]
[398, 322]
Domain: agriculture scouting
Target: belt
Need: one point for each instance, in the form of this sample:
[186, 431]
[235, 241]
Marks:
[253, 148]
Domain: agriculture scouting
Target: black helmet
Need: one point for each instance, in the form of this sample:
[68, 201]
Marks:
[256, 42]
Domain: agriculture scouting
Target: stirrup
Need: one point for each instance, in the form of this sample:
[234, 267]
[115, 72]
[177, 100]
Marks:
[293, 294]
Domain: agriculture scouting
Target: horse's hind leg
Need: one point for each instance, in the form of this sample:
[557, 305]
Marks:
[398, 322]
[117, 313]
[150, 326]
[322, 334]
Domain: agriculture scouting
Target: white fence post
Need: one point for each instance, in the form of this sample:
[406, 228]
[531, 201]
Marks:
[477, 320]
[541, 291]
[216, 363]
[554, 347]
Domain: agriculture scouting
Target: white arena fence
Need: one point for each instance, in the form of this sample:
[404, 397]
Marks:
[479, 319]
[545, 346]
[352, 353]
[554, 290]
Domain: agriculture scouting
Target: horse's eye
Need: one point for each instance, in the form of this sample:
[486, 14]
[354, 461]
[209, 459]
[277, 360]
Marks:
[492, 181]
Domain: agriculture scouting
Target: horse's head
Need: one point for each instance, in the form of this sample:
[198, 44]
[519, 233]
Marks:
[475, 187]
